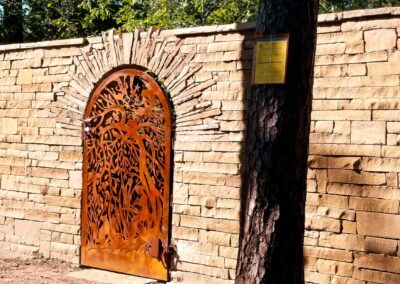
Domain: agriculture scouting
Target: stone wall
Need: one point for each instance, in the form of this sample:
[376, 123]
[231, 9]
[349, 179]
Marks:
[353, 220]
[44, 89]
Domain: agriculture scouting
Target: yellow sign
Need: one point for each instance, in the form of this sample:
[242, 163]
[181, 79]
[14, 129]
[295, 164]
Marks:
[270, 60]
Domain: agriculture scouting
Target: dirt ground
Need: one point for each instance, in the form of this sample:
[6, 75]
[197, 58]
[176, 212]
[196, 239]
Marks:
[52, 271]
[37, 271]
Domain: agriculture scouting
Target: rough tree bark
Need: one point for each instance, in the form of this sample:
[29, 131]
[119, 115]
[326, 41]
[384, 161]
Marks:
[12, 21]
[276, 150]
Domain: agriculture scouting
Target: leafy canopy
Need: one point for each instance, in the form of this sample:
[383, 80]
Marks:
[329, 6]
[128, 14]
[54, 19]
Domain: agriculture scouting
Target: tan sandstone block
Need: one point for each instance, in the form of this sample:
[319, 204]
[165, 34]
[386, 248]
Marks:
[376, 276]
[345, 269]
[329, 71]
[341, 115]
[183, 233]
[40, 155]
[186, 209]
[370, 23]
[180, 195]
[203, 269]
[212, 224]
[327, 200]
[347, 176]
[380, 246]
[192, 156]
[71, 156]
[338, 37]
[29, 231]
[204, 178]
[216, 238]
[334, 267]
[62, 201]
[380, 39]
[383, 68]
[378, 224]
[8, 126]
[49, 173]
[368, 132]
[214, 191]
[336, 213]
[355, 46]
[222, 213]
[378, 262]
[5, 65]
[365, 191]
[314, 277]
[208, 202]
[345, 280]
[26, 63]
[75, 179]
[391, 151]
[393, 127]
[331, 48]
[228, 252]
[342, 241]
[24, 76]
[328, 253]
[179, 276]
[56, 61]
[391, 179]
[324, 162]
[322, 179]
[375, 205]
[376, 56]
[196, 247]
[357, 70]
[212, 261]
[311, 185]
[349, 227]
[324, 126]
[224, 46]
[310, 263]
[66, 51]
[324, 224]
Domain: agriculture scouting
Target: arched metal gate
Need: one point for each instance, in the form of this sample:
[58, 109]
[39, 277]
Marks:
[126, 175]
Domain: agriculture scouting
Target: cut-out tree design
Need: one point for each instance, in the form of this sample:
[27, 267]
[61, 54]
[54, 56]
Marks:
[127, 150]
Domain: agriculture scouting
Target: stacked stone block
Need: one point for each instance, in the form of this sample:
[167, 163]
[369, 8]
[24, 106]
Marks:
[40, 168]
[44, 88]
[352, 215]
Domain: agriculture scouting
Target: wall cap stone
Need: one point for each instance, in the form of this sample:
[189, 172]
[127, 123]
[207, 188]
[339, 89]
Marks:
[44, 44]
[335, 17]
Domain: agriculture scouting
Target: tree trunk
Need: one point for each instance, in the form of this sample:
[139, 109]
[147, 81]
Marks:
[276, 150]
[12, 21]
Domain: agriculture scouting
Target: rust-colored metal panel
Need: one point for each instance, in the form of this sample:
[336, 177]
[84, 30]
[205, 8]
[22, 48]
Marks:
[126, 176]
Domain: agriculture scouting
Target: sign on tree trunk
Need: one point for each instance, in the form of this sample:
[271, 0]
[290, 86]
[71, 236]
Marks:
[276, 149]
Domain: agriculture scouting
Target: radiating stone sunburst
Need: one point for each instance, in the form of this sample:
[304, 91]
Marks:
[160, 54]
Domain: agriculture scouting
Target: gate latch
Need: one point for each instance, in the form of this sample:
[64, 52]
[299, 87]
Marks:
[154, 248]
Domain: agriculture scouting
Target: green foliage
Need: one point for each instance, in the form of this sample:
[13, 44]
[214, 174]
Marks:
[329, 6]
[128, 15]
[53, 19]
[11, 21]
[47, 19]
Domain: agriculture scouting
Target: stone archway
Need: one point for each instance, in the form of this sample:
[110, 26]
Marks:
[154, 52]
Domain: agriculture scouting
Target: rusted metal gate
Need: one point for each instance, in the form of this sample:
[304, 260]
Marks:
[126, 176]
